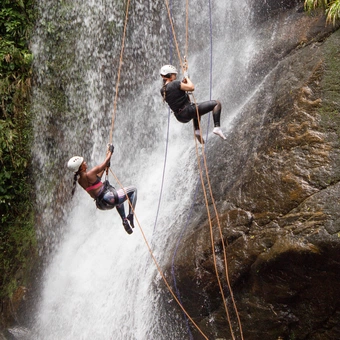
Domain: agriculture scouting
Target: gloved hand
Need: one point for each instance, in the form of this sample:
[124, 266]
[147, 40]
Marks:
[110, 148]
[186, 75]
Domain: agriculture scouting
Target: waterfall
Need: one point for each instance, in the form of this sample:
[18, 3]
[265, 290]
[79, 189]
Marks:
[100, 282]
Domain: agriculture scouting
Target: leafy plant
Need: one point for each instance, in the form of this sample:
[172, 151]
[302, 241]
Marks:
[17, 234]
[331, 7]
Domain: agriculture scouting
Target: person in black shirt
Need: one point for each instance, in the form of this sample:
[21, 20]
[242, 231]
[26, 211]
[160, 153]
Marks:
[174, 92]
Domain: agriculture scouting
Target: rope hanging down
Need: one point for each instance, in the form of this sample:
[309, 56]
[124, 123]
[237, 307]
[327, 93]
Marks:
[119, 70]
[158, 266]
[184, 67]
[128, 200]
[174, 36]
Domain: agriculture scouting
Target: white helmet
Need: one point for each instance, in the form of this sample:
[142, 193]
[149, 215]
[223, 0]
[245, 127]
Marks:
[74, 163]
[166, 69]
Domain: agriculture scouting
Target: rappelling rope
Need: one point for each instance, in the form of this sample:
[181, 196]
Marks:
[210, 223]
[186, 27]
[174, 36]
[155, 260]
[212, 237]
[217, 220]
[219, 226]
[163, 173]
[184, 68]
[110, 140]
[212, 197]
[119, 70]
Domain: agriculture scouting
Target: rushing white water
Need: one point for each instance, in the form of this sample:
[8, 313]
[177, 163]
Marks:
[100, 282]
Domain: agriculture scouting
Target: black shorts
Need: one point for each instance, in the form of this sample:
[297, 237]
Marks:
[189, 112]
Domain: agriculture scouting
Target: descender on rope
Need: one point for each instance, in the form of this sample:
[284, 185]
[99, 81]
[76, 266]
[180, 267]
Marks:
[185, 67]
[110, 148]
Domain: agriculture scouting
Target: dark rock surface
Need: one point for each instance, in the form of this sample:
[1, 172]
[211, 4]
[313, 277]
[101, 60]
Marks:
[276, 186]
[264, 9]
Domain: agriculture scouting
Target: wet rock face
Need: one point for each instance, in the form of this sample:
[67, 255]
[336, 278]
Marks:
[264, 9]
[276, 184]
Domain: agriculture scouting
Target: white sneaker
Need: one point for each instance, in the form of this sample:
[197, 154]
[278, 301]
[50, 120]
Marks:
[198, 136]
[218, 131]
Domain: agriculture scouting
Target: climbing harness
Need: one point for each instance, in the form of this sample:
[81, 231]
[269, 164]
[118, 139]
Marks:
[100, 202]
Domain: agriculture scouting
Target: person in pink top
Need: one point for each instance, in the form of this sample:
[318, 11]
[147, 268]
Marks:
[105, 195]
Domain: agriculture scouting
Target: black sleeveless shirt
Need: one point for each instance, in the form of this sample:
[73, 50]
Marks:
[174, 96]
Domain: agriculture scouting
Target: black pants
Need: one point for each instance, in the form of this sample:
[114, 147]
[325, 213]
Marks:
[189, 112]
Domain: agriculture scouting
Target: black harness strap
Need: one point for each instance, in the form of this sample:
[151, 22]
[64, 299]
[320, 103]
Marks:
[101, 203]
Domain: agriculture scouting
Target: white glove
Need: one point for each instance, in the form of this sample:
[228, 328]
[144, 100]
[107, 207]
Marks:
[186, 75]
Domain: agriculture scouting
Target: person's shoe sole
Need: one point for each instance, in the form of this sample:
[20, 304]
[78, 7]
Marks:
[220, 133]
[130, 218]
[127, 227]
[199, 138]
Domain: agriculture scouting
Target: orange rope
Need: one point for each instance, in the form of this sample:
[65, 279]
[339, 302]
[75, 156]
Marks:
[119, 70]
[207, 207]
[218, 221]
[212, 236]
[111, 131]
[156, 263]
[184, 68]
[174, 35]
[186, 27]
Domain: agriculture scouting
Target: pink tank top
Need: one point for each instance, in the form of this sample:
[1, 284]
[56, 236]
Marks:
[94, 186]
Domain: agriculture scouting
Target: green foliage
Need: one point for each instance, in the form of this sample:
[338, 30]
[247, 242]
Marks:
[331, 7]
[334, 12]
[17, 235]
[17, 245]
[15, 25]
